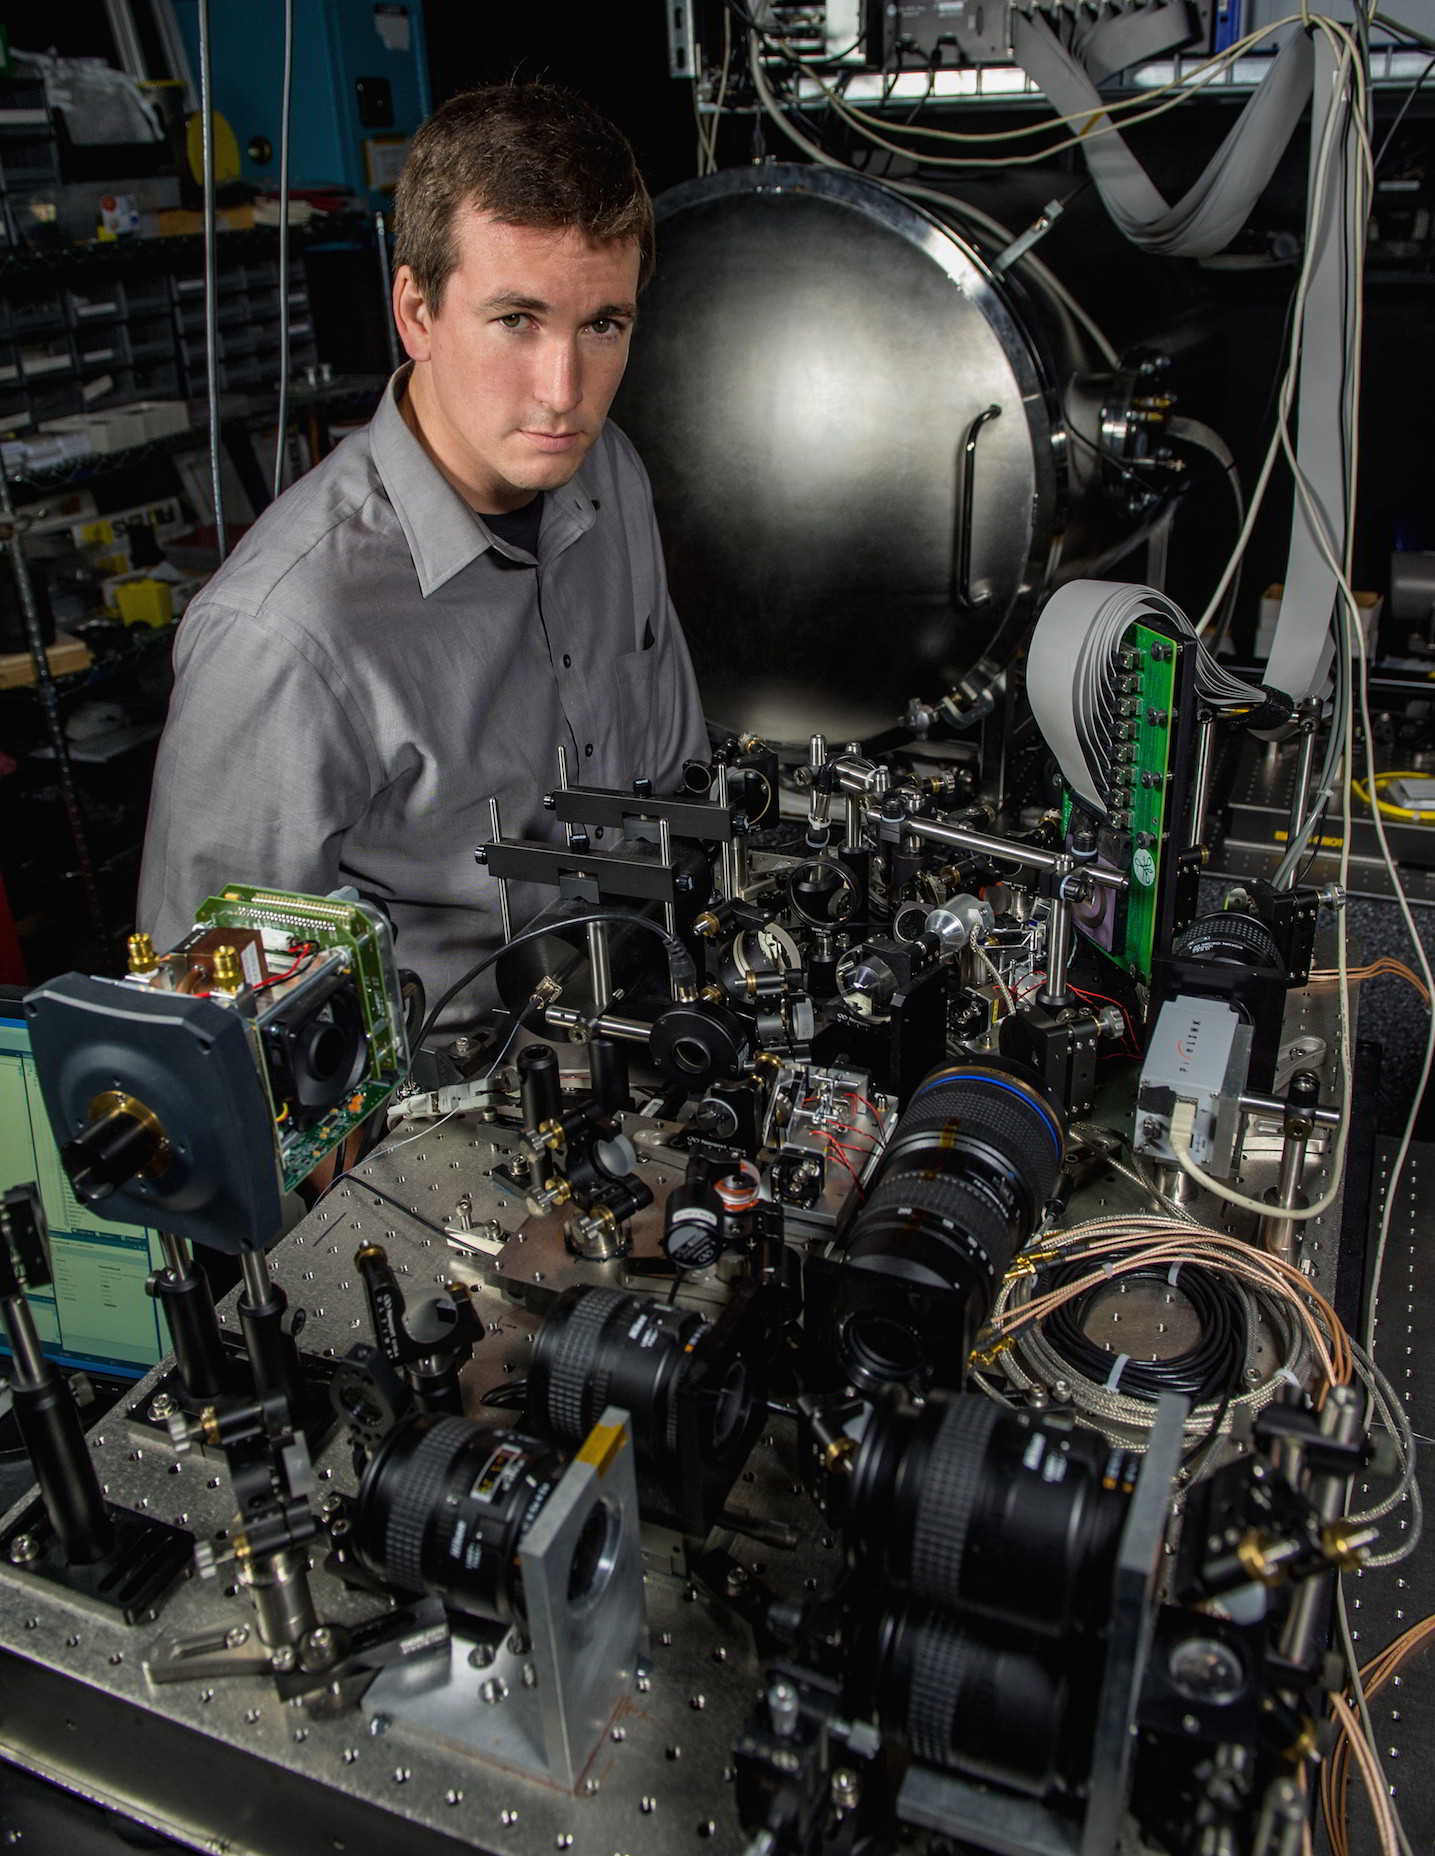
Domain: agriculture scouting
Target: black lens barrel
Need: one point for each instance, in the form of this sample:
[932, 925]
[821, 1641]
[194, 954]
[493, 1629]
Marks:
[1008, 1518]
[600, 1347]
[960, 1187]
[444, 1507]
[962, 1698]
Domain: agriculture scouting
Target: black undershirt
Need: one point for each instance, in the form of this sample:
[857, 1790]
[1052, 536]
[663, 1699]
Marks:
[519, 527]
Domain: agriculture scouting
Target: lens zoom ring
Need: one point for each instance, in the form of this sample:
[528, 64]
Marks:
[571, 1358]
[952, 1476]
[936, 1198]
[943, 1661]
[417, 1492]
[1016, 1127]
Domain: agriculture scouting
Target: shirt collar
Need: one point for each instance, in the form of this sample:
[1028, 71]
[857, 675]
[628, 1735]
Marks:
[443, 533]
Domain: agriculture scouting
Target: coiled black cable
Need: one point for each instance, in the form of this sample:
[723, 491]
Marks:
[1212, 1368]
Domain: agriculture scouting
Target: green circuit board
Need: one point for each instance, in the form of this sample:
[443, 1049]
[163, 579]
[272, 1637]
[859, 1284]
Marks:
[326, 923]
[1136, 839]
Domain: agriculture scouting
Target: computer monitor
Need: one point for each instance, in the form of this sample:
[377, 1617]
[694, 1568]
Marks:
[95, 1314]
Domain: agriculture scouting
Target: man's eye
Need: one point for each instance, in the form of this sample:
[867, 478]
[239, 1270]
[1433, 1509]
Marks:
[515, 319]
[606, 325]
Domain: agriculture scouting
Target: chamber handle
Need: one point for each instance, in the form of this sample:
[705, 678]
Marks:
[965, 597]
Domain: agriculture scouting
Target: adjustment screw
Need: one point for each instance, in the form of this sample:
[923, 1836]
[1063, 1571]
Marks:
[24, 1549]
[783, 1704]
[236, 1636]
[846, 1789]
[284, 1658]
[480, 1656]
[161, 1407]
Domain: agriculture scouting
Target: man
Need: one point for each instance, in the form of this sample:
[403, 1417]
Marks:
[476, 578]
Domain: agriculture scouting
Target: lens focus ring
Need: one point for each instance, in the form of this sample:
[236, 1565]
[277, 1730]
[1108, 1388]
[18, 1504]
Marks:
[952, 1476]
[575, 1363]
[944, 1665]
[415, 1495]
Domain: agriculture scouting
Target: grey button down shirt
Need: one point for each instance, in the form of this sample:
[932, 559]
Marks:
[372, 665]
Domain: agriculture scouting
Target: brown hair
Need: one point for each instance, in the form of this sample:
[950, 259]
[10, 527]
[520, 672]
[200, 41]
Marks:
[529, 154]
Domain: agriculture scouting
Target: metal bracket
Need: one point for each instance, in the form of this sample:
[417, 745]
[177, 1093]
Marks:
[542, 1702]
[612, 873]
[687, 817]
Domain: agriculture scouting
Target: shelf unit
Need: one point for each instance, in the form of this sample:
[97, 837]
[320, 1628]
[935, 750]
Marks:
[29, 158]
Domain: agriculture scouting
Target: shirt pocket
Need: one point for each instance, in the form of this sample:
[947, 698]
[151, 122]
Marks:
[634, 684]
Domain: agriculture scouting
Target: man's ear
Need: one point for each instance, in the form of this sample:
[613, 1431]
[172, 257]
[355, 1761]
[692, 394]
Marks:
[412, 315]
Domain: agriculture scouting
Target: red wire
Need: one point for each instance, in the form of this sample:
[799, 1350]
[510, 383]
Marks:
[839, 1153]
[305, 949]
[1106, 999]
[852, 1096]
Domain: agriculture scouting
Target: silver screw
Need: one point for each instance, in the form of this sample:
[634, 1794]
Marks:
[783, 1704]
[161, 1407]
[236, 1635]
[24, 1549]
[284, 1658]
[846, 1789]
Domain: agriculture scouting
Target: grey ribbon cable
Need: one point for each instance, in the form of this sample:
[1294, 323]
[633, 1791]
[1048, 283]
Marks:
[1120, 39]
[1217, 205]
[1202, 223]
[1071, 675]
[1304, 641]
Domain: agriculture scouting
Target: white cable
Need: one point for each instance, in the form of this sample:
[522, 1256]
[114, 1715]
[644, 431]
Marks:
[285, 108]
[1093, 123]
[1047, 278]
[1352, 1663]
[1183, 1117]
[960, 207]
[708, 137]
[992, 968]
[1357, 635]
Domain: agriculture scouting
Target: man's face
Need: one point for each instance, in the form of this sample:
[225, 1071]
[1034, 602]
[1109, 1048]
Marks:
[514, 375]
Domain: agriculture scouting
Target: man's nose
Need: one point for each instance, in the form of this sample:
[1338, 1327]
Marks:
[560, 377]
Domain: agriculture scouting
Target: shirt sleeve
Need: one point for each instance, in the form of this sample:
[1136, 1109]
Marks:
[261, 768]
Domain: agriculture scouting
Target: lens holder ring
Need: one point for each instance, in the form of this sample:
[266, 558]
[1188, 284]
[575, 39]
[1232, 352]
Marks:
[952, 1474]
[415, 1493]
[573, 1357]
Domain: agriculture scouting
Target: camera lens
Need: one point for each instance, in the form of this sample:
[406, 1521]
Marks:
[962, 1699]
[444, 1507]
[961, 1185]
[1012, 1519]
[601, 1347]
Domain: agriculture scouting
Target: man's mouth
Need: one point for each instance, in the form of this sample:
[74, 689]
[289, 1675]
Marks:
[551, 441]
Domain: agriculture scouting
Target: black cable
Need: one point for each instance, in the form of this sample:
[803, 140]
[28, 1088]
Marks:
[415, 1000]
[671, 946]
[367, 1185]
[1212, 1367]
[511, 1395]
[1416, 88]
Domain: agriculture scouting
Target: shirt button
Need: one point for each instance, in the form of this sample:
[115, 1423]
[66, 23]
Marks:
[588, 751]
[567, 661]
